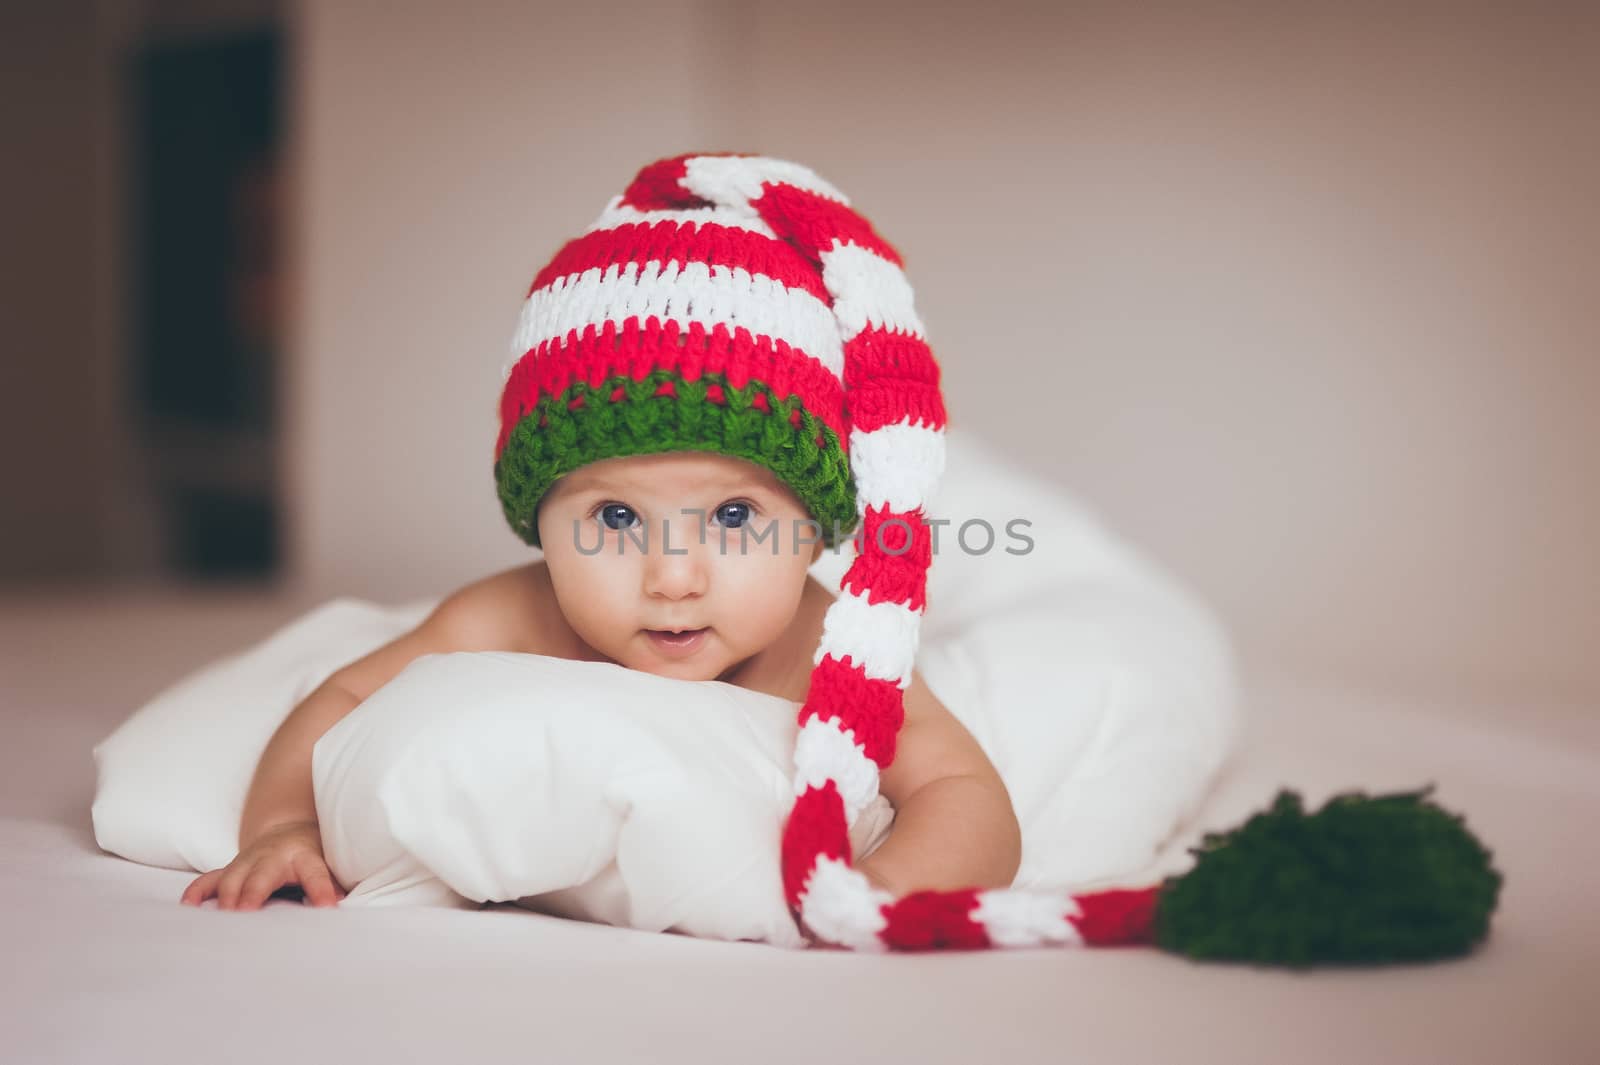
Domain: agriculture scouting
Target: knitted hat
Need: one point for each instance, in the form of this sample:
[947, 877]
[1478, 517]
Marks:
[737, 304]
[722, 303]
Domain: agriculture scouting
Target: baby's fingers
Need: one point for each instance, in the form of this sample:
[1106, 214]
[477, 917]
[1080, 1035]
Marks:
[228, 886]
[317, 882]
[261, 883]
[201, 888]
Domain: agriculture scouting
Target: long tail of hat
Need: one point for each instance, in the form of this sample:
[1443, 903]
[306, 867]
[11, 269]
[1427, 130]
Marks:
[1365, 879]
[854, 707]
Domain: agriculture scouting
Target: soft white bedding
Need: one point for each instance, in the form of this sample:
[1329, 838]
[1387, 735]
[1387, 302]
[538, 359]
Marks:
[1104, 692]
[103, 965]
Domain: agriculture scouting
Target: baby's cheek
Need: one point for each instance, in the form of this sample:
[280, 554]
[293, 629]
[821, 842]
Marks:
[592, 594]
[766, 596]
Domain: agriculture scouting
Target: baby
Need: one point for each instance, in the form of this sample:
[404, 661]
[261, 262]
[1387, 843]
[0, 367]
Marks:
[696, 408]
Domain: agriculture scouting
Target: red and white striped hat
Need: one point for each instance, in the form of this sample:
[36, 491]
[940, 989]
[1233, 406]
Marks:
[738, 304]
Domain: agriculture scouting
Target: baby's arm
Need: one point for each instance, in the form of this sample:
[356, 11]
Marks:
[954, 826]
[279, 840]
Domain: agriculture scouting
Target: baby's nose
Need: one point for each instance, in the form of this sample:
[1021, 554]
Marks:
[676, 564]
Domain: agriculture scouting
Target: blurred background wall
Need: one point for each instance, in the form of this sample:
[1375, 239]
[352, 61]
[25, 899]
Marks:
[138, 215]
[1300, 298]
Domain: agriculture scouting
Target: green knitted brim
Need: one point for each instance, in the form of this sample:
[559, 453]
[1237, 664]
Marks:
[642, 423]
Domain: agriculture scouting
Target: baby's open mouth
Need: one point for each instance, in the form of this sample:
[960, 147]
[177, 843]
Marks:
[676, 639]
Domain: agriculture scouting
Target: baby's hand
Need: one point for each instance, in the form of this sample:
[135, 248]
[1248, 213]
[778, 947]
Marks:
[288, 854]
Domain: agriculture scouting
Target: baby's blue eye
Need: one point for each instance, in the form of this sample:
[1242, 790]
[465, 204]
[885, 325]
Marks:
[733, 515]
[616, 516]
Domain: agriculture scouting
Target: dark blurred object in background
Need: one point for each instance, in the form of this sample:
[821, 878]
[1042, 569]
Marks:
[139, 279]
[207, 132]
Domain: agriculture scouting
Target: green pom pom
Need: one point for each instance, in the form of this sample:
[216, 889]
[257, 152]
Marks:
[1363, 880]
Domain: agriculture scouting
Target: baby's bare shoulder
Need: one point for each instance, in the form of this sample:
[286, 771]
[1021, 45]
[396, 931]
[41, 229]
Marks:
[513, 610]
[501, 612]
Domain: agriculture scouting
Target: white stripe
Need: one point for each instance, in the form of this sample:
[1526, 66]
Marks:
[881, 638]
[868, 289]
[823, 752]
[896, 465]
[735, 181]
[841, 905]
[684, 293]
[619, 214]
[1014, 918]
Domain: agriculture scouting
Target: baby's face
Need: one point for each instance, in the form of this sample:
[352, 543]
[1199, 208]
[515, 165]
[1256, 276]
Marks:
[631, 560]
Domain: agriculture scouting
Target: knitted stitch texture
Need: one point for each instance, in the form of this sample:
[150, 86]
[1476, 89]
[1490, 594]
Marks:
[738, 304]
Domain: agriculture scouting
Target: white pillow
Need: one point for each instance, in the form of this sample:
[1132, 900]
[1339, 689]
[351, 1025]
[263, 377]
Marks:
[1102, 689]
[172, 779]
[582, 789]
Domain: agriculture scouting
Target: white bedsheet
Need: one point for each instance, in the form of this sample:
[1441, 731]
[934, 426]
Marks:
[103, 965]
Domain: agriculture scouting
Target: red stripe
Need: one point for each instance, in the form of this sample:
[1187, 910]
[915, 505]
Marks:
[815, 828]
[889, 378]
[814, 222]
[636, 350]
[871, 707]
[685, 242]
[934, 920]
[1116, 918]
[882, 576]
[658, 186]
